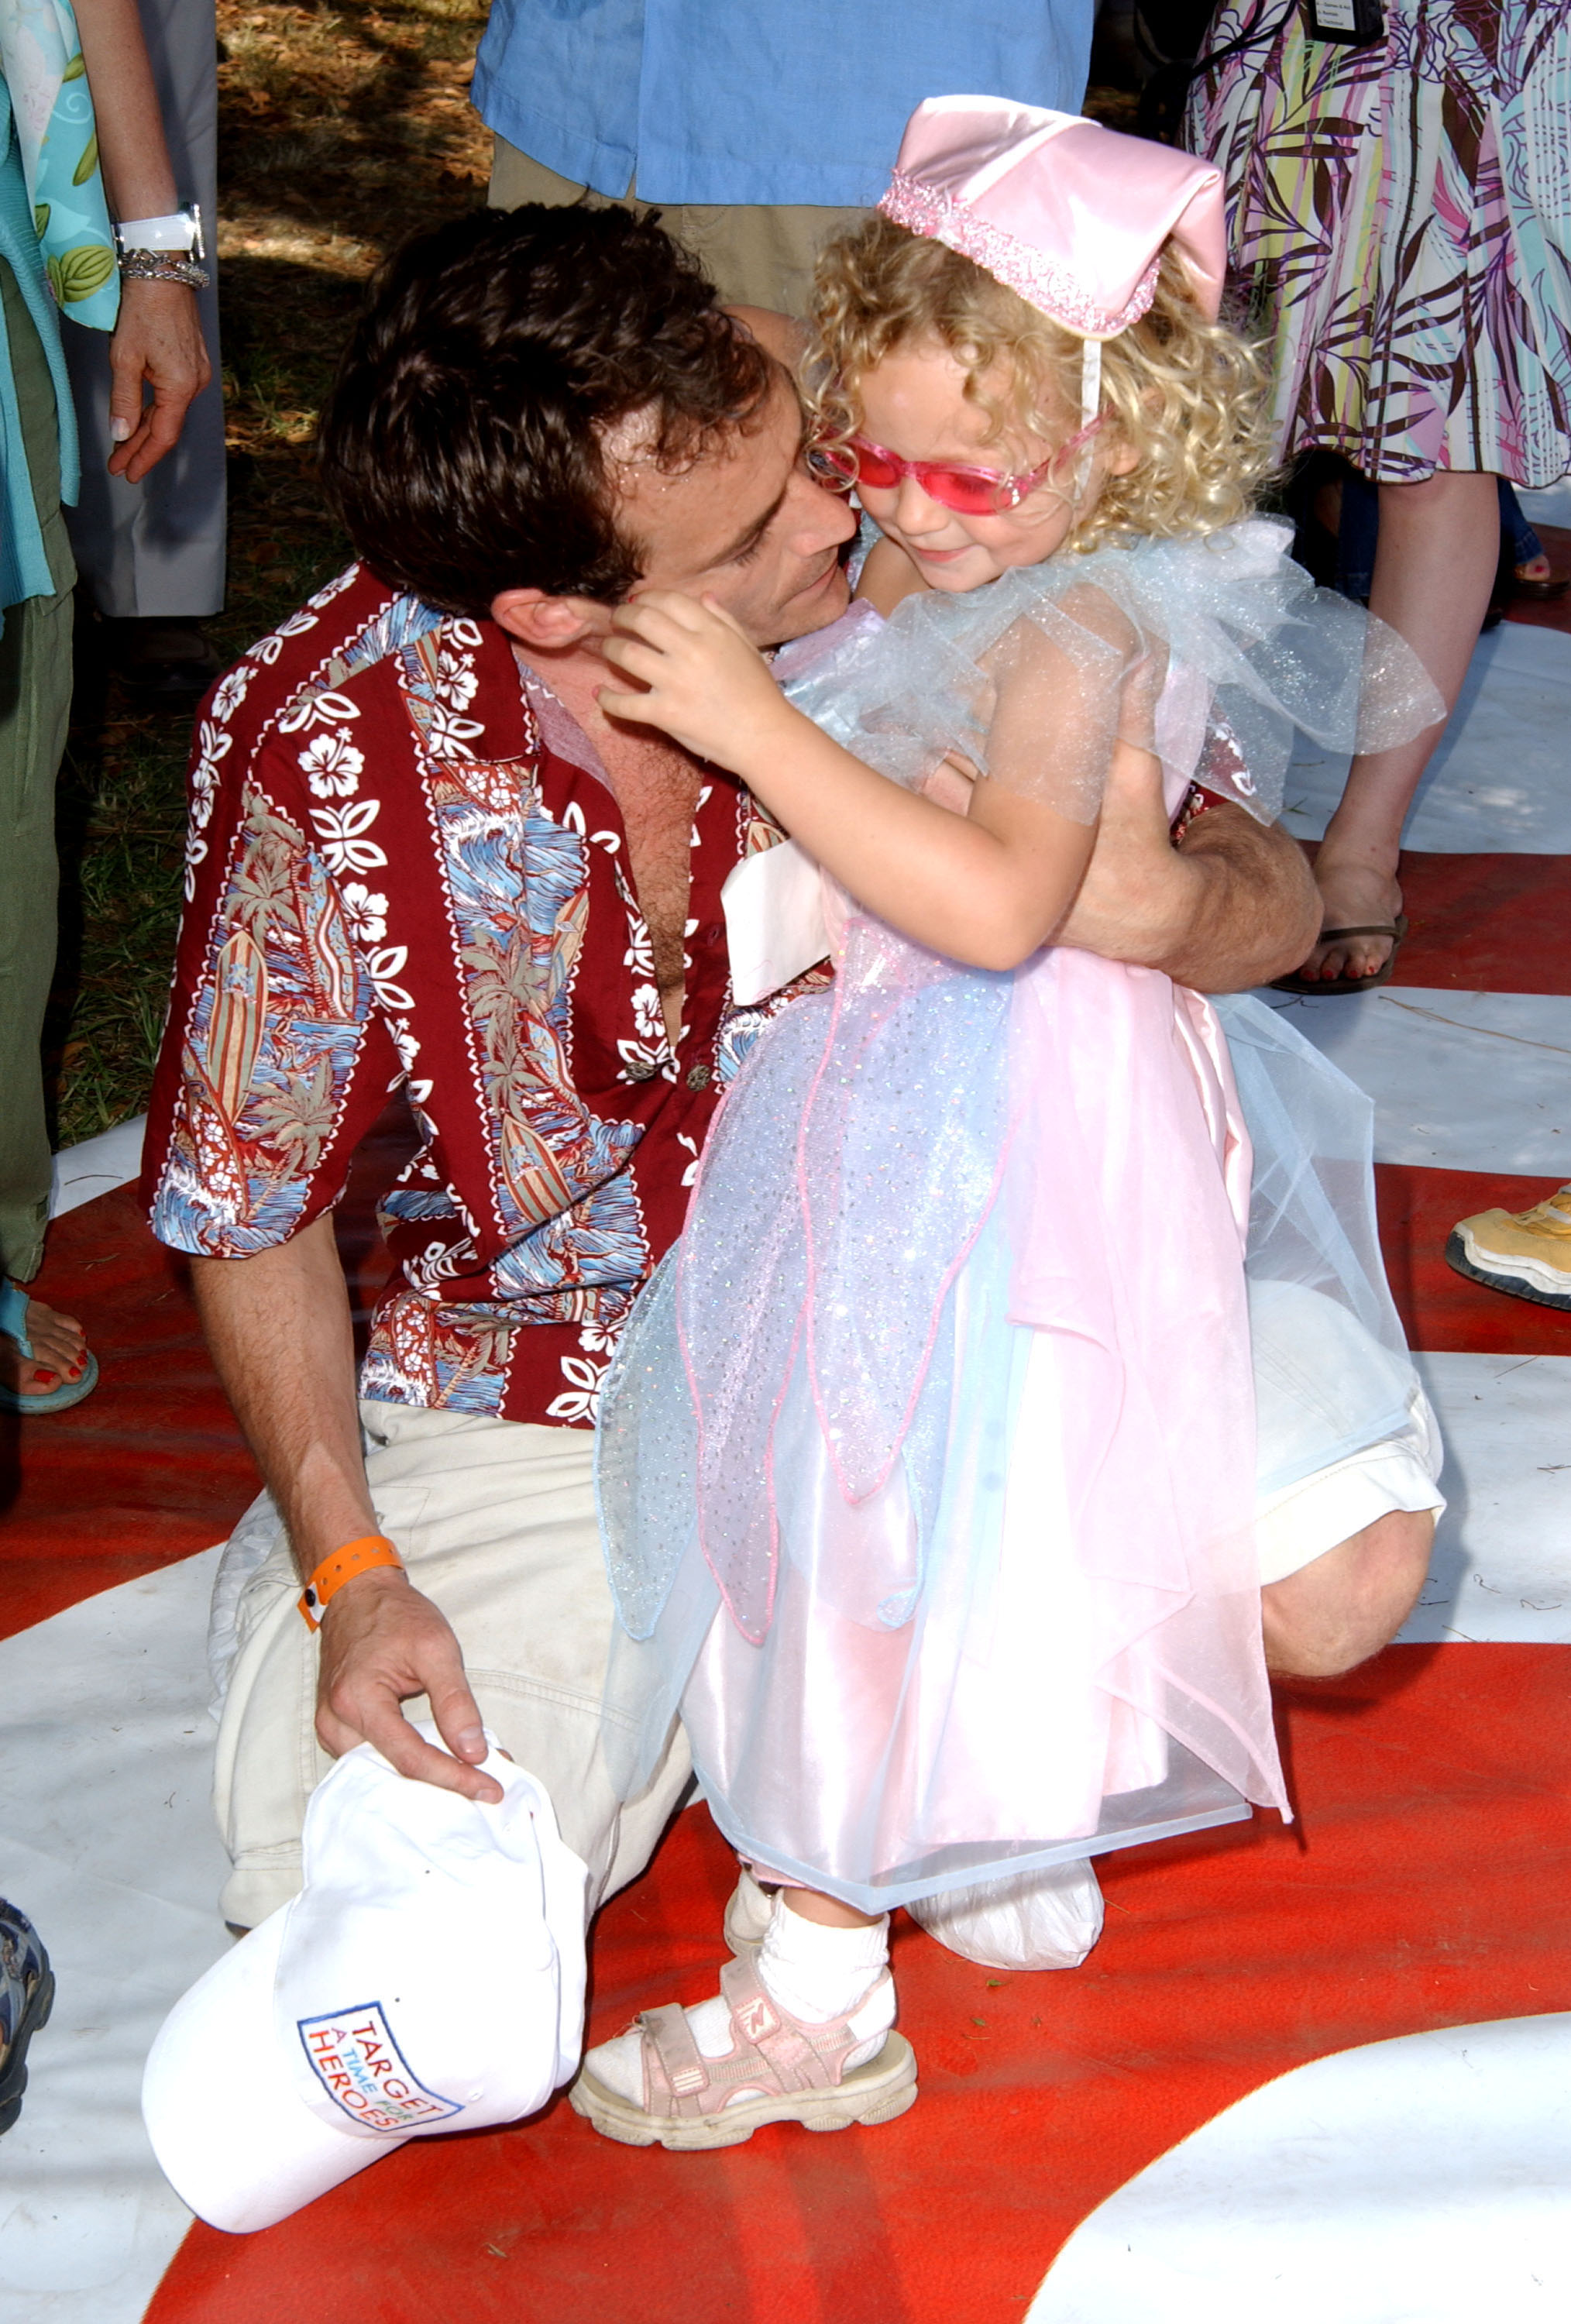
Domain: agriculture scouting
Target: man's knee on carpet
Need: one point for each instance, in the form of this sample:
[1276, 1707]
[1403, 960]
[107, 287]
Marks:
[1344, 1606]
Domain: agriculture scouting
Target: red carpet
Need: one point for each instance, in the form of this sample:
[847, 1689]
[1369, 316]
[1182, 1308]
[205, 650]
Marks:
[1439, 1308]
[1486, 923]
[151, 1467]
[1426, 1785]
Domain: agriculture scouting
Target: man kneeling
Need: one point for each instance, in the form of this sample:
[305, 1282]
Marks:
[422, 860]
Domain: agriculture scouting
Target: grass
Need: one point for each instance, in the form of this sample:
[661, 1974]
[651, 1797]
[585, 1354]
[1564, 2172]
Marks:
[341, 129]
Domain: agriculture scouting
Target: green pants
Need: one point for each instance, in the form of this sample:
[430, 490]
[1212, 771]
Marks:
[35, 700]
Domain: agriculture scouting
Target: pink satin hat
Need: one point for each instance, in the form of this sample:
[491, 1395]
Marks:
[1071, 215]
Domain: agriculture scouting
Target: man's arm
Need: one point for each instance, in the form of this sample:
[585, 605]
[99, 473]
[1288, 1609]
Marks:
[279, 1327]
[1233, 905]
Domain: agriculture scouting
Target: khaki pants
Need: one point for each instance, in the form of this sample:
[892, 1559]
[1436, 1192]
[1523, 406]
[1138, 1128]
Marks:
[496, 1520]
[755, 255]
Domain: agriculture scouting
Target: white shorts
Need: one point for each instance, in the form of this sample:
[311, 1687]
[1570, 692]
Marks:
[495, 1521]
[1318, 1376]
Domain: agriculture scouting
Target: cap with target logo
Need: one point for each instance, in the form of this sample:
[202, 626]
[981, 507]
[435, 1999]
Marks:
[429, 1978]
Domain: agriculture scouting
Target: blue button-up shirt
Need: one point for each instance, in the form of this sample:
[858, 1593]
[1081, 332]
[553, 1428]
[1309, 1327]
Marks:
[758, 100]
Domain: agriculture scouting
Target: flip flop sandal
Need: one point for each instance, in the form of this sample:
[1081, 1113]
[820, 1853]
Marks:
[1327, 988]
[26, 1998]
[13, 1326]
[1539, 593]
[799, 2067]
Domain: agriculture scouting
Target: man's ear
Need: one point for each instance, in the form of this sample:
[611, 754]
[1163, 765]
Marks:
[549, 624]
[780, 336]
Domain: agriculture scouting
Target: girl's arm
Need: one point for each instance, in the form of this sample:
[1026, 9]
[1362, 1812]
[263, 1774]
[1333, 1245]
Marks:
[987, 889]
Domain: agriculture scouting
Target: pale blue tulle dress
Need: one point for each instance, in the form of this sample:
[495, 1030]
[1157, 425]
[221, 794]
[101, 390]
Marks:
[926, 1465]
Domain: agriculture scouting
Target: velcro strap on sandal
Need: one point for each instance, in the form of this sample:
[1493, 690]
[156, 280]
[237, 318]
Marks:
[671, 2055]
[757, 2019]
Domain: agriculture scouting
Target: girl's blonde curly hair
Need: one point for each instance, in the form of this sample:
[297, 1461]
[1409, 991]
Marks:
[1187, 394]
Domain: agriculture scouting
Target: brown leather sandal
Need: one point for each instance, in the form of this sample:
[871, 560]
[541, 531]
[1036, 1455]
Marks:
[1326, 988]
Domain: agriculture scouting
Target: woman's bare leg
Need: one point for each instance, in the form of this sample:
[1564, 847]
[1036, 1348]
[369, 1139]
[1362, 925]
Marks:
[1439, 542]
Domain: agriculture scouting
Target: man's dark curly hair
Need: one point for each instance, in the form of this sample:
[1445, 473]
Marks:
[462, 442]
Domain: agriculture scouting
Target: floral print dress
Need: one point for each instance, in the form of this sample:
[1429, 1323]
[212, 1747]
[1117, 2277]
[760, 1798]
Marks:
[1399, 223]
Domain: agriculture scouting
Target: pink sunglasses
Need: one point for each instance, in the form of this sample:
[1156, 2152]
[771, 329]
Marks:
[969, 492]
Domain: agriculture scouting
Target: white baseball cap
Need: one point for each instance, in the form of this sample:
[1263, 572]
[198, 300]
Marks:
[429, 1978]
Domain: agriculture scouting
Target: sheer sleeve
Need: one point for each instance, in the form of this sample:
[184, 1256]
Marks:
[1072, 677]
[1161, 643]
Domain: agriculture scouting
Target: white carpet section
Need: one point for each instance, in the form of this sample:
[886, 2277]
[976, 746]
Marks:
[1415, 2181]
[97, 1167]
[1502, 1568]
[107, 1843]
[1461, 1080]
[1497, 782]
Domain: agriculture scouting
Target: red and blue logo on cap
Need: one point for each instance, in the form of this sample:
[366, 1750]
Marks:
[354, 2056]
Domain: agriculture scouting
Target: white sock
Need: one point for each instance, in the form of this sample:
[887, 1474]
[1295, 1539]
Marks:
[816, 1973]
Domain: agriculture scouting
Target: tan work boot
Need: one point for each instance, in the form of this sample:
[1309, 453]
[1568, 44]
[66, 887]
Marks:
[1525, 1252]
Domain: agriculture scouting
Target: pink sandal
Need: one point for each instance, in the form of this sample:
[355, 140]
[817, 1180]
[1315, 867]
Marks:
[799, 2067]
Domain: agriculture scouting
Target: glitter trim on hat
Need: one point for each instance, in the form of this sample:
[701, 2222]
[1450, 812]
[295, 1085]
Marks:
[1072, 216]
[1037, 278]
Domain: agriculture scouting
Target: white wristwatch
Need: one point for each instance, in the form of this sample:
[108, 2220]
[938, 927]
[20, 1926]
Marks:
[163, 249]
[180, 232]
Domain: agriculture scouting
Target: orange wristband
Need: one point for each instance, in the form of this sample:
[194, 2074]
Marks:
[360, 1556]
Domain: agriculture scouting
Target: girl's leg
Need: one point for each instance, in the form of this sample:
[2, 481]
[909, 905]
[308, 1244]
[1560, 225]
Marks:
[828, 1912]
[800, 2032]
[1434, 568]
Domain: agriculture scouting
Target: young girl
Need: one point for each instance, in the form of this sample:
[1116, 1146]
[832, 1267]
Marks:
[928, 1465]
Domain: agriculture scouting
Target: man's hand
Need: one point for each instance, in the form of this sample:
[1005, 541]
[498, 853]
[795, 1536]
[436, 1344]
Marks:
[158, 344]
[1234, 906]
[700, 678]
[381, 1643]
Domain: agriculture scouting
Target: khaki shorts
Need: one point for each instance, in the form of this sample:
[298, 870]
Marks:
[755, 255]
[495, 1521]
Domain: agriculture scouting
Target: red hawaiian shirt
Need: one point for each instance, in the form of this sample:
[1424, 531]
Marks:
[405, 871]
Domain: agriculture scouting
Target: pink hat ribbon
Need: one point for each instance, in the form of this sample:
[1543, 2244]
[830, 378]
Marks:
[1071, 215]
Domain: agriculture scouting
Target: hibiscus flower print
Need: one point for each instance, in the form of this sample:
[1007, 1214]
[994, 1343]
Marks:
[332, 766]
[648, 1016]
[454, 683]
[368, 913]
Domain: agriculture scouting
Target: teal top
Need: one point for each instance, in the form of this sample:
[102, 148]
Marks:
[24, 566]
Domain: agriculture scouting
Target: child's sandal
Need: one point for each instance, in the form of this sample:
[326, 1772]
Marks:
[799, 2067]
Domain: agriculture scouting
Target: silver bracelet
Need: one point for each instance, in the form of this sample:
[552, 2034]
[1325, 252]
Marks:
[162, 266]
